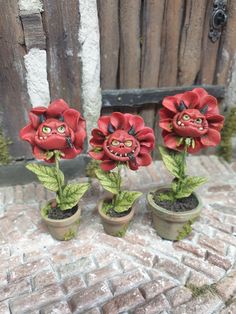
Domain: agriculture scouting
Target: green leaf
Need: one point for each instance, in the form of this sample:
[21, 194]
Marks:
[173, 161]
[188, 185]
[71, 194]
[125, 200]
[47, 176]
[109, 180]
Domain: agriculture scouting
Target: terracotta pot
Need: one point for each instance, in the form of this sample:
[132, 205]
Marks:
[63, 229]
[172, 225]
[115, 226]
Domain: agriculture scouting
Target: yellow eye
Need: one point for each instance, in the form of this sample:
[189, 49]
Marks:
[186, 117]
[128, 143]
[115, 143]
[198, 121]
[61, 129]
[46, 129]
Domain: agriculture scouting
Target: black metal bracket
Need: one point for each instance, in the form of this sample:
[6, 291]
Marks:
[218, 19]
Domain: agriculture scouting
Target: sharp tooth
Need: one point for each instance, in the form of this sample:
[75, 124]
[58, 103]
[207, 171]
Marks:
[179, 122]
[45, 137]
[125, 155]
[132, 151]
[116, 154]
[201, 129]
[182, 124]
[40, 138]
[111, 151]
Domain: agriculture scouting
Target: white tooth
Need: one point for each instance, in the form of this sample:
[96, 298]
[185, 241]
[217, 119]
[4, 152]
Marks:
[111, 151]
[125, 155]
[132, 151]
[182, 124]
[116, 154]
[45, 137]
[179, 122]
[201, 129]
[40, 138]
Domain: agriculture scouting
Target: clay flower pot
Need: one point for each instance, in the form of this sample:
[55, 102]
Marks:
[63, 229]
[172, 225]
[115, 226]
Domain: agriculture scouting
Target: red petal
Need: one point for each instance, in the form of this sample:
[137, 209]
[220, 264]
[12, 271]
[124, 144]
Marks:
[79, 139]
[201, 92]
[107, 165]
[165, 114]
[70, 153]
[133, 165]
[57, 107]
[144, 159]
[39, 153]
[28, 134]
[96, 155]
[216, 122]
[39, 110]
[118, 120]
[190, 99]
[103, 123]
[212, 138]
[97, 139]
[72, 118]
[171, 140]
[136, 122]
[212, 104]
[166, 124]
[34, 120]
[170, 103]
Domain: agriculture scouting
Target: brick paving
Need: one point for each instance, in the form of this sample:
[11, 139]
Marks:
[141, 273]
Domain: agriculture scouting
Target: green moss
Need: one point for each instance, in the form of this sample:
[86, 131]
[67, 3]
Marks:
[121, 233]
[229, 130]
[198, 291]
[187, 229]
[4, 151]
[70, 234]
[91, 167]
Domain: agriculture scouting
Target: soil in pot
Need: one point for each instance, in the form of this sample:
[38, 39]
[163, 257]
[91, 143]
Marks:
[57, 213]
[179, 205]
[108, 210]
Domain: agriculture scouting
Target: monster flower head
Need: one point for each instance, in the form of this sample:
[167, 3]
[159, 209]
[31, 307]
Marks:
[191, 121]
[57, 127]
[122, 138]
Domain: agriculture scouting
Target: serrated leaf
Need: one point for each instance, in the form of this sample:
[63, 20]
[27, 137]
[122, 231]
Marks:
[189, 184]
[48, 176]
[173, 161]
[109, 180]
[71, 194]
[125, 200]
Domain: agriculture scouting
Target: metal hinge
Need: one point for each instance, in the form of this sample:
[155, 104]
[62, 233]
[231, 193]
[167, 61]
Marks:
[218, 19]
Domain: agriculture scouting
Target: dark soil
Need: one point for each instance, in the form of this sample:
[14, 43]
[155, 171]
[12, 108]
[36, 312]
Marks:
[57, 213]
[179, 205]
[112, 213]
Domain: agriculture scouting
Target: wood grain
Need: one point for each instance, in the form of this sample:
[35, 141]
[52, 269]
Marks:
[191, 42]
[171, 29]
[130, 43]
[61, 23]
[108, 11]
[14, 99]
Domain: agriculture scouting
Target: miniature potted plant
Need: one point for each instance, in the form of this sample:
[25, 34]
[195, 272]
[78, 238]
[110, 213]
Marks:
[120, 140]
[57, 132]
[190, 122]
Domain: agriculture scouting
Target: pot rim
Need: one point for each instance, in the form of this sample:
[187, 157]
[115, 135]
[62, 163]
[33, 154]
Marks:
[114, 220]
[170, 215]
[63, 221]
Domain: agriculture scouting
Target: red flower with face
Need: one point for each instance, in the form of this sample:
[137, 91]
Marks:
[122, 138]
[191, 120]
[57, 127]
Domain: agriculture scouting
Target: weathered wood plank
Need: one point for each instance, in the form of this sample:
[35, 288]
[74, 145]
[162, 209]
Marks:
[133, 98]
[191, 41]
[209, 51]
[14, 100]
[130, 43]
[108, 11]
[33, 30]
[151, 51]
[61, 23]
[227, 54]
[172, 19]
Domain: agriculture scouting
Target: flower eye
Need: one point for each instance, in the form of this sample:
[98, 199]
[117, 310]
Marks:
[61, 129]
[186, 117]
[115, 143]
[46, 129]
[128, 143]
[198, 120]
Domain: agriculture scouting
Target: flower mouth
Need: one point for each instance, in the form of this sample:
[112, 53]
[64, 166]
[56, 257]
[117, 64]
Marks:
[121, 154]
[190, 124]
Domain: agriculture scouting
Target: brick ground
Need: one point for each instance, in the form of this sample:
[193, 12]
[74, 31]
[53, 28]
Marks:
[141, 273]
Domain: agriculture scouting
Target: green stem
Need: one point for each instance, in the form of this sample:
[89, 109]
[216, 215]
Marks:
[119, 167]
[57, 159]
[182, 170]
